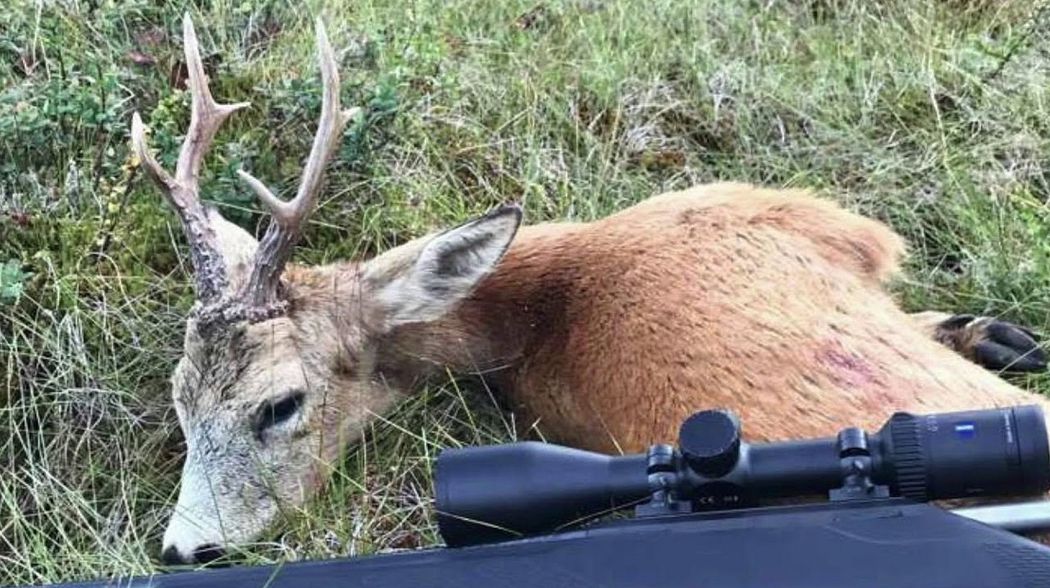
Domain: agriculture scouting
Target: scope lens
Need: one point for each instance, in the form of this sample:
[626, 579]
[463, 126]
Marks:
[968, 454]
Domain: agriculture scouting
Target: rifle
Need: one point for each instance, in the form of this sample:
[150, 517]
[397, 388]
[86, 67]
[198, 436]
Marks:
[529, 514]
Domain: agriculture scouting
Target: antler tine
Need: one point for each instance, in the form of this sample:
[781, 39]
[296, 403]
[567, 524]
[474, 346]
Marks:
[206, 115]
[181, 190]
[288, 217]
[141, 146]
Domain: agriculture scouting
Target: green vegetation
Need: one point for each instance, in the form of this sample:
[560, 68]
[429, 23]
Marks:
[931, 115]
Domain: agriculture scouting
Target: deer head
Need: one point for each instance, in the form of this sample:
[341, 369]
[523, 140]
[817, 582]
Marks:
[280, 366]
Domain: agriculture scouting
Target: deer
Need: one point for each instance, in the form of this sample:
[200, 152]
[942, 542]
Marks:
[773, 303]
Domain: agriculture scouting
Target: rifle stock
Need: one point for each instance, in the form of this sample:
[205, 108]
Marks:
[885, 543]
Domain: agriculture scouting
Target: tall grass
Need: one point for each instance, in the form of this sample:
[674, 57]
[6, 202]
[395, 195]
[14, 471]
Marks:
[932, 116]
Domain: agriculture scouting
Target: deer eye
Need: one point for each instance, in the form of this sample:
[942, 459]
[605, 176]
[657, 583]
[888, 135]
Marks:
[279, 411]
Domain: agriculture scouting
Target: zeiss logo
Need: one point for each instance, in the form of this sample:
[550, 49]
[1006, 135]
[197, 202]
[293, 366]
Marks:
[966, 430]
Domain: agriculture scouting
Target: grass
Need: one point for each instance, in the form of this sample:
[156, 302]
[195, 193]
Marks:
[932, 116]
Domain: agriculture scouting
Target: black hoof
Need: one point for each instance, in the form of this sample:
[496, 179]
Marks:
[1007, 347]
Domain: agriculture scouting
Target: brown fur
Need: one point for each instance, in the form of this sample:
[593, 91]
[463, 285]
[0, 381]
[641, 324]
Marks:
[609, 334]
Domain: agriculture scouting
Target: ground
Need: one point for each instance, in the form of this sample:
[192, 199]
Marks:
[932, 116]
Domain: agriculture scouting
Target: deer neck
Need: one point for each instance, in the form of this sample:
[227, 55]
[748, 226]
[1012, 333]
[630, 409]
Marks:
[512, 312]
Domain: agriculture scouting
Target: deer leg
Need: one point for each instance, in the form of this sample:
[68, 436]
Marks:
[987, 341]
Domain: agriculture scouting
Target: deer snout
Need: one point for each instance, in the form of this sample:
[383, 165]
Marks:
[202, 554]
[193, 539]
[186, 544]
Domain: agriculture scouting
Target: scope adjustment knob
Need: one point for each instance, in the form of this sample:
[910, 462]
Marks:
[710, 442]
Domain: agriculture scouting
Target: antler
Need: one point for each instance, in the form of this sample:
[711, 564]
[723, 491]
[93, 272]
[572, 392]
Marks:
[206, 116]
[260, 292]
[258, 298]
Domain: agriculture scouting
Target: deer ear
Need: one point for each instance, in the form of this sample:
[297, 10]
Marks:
[236, 245]
[424, 279]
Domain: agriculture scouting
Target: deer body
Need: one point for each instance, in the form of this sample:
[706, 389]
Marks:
[608, 334]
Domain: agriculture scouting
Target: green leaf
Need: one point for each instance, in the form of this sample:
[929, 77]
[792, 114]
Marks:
[12, 280]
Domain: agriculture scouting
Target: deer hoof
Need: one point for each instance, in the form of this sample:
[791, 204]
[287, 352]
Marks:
[995, 344]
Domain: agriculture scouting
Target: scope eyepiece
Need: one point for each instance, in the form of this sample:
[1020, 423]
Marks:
[500, 492]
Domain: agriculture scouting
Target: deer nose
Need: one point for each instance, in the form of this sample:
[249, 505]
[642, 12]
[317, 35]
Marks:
[203, 554]
[171, 556]
[207, 553]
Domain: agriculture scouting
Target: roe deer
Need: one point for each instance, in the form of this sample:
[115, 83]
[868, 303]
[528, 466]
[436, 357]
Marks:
[609, 333]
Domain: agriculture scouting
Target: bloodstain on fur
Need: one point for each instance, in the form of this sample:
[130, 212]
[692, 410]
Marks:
[848, 369]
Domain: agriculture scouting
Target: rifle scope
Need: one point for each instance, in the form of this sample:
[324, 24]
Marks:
[501, 492]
